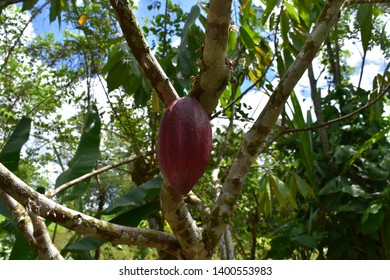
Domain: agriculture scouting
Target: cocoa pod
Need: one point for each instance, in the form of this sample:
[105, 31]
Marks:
[184, 144]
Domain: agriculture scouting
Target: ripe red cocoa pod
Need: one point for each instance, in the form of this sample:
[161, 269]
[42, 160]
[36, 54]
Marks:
[184, 144]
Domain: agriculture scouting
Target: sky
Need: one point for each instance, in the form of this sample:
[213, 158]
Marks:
[375, 62]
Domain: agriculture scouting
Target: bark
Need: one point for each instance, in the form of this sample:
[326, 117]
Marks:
[33, 229]
[214, 74]
[81, 223]
[254, 139]
[182, 224]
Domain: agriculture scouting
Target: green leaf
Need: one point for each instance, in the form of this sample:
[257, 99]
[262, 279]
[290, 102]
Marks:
[334, 185]
[21, 249]
[55, 10]
[376, 173]
[115, 56]
[305, 142]
[249, 37]
[87, 151]
[28, 5]
[372, 209]
[282, 193]
[232, 42]
[265, 197]
[10, 154]
[143, 92]
[85, 244]
[373, 222]
[306, 240]
[270, 7]
[117, 76]
[134, 198]
[292, 12]
[364, 147]
[342, 184]
[134, 216]
[364, 18]
[192, 17]
[302, 186]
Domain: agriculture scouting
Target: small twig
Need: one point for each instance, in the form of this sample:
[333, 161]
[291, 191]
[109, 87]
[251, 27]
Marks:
[93, 173]
[315, 127]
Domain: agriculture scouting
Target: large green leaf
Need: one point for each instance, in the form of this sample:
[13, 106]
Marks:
[117, 75]
[282, 192]
[192, 17]
[136, 197]
[87, 151]
[364, 18]
[21, 249]
[10, 154]
[28, 5]
[304, 139]
[270, 8]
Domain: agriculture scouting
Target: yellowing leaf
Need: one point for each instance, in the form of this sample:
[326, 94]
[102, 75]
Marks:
[155, 102]
[83, 19]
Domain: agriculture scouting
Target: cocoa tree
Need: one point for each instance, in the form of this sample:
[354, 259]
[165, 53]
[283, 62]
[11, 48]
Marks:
[217, 67]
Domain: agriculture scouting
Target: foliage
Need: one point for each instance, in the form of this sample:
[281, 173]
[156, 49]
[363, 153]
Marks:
[90, 104]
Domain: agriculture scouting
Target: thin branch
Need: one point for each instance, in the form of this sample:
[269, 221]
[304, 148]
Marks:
[84, 224]
[142, 52]
[254, 139]
[69, 184]
[315, 127]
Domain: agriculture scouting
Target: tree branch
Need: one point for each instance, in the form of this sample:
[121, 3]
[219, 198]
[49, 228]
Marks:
[142, 52]
[214, 75]
[21, 218]
[256, 136]
[45, 247]
[181, 222]
[33, 229]
[84, 224]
